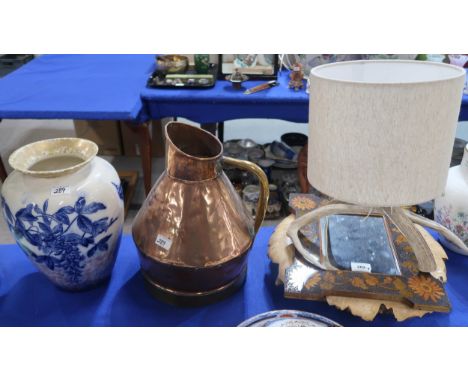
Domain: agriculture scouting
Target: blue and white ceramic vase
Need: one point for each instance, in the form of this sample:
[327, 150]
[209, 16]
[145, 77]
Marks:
[64, 206]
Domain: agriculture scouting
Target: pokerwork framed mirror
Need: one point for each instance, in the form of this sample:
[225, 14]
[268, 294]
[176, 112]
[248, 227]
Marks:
[364, 256]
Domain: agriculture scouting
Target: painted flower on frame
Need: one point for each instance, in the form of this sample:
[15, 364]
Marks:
[400, 239]
[411, 266]
[426, 288]
[329, 277]
[371, 280]
[326, 285]
[312, 281]
[303, 203]
[359, 283]
[387, 280]
[398, 284]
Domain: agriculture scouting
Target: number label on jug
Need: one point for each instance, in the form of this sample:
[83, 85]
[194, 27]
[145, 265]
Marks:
[60, 190]
[163, 242]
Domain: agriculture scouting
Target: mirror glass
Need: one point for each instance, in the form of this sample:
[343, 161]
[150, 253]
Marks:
[359, 243]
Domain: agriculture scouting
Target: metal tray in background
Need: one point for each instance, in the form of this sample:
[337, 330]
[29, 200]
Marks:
[158, 80]
[11, 62]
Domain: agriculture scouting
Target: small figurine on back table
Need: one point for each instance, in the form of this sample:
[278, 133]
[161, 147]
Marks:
[237, 78]
[296, 77]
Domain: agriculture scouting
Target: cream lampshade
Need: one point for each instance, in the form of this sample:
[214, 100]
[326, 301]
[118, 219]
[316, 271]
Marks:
[380, 136]
[381, 132]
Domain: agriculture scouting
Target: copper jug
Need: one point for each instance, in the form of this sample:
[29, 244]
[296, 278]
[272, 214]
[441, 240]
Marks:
[193, 231]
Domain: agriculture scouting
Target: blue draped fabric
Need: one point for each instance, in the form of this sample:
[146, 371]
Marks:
[113, 87]
[27, 298]
[101, 87]
[223, 102]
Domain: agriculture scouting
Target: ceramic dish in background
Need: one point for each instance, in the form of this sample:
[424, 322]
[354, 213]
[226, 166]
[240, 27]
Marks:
[247, 143]
[285, 164]
[172, 64]
[281, 163]
[294, 139]
[309, 61]
[288, 318]
[458, 150]
[255, 154]
[243, 149]
[232, 149]
[282, 150]
[388, 56]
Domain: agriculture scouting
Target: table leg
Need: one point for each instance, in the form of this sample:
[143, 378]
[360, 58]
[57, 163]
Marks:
[3, 173]
[221, 131]
[210, 127]
[144, 143]
[157, 138]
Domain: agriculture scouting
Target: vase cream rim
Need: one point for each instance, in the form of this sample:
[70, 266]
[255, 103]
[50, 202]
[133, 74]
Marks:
[458, 72]
[26, 156]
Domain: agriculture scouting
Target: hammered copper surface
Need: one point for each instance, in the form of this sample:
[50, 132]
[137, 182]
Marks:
[206, 222]
[195, 206]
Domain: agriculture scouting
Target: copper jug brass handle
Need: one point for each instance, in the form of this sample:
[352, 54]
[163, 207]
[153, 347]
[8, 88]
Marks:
[264, 186]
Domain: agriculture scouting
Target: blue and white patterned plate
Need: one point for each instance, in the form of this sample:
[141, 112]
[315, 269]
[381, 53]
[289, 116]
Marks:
[288, 318]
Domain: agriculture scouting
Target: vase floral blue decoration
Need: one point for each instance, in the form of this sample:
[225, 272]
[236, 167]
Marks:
[64, 207]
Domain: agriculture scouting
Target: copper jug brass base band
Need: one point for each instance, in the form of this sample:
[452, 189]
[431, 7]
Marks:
[183, 298]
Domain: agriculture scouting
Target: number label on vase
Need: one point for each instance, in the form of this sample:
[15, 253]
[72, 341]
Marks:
[60, 190]
[163, 242]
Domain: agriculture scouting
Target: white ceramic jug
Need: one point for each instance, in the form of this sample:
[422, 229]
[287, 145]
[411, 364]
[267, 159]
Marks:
[451, 209]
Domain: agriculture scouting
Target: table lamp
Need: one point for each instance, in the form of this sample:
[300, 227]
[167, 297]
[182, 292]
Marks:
[380, 138]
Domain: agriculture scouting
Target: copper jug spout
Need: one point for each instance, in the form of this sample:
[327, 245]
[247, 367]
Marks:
[193, 231]
[192, 153]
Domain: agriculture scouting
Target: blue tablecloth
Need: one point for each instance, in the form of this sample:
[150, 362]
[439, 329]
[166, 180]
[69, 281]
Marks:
[27, 298]
[101, 87]
[113, 87]
[223, 102]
